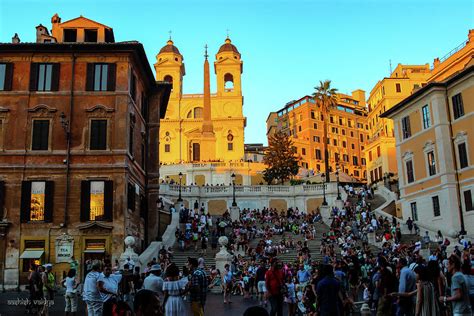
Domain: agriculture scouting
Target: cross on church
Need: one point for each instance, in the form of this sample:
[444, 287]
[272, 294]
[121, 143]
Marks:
[205, 53]
[227, 30]
[169, 32]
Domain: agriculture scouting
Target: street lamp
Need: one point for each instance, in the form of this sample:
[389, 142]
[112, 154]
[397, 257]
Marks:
[158, 208]
[337, 179]
[323, 177]
[234, 203]
[180, 179]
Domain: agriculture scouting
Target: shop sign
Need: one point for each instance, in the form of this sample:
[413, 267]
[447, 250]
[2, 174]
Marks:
[64, 248]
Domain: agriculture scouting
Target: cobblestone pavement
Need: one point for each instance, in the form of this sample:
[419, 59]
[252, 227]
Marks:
[12, 303]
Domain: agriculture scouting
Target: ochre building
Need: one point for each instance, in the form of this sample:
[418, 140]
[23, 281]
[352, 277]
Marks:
[79, 124]
[347, 133]
[202, 127]
[380, 148]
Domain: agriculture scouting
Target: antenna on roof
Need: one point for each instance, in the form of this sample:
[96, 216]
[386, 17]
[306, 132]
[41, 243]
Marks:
[390, 63]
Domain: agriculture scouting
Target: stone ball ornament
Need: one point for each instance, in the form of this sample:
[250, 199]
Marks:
[129, 241]
[223, 241]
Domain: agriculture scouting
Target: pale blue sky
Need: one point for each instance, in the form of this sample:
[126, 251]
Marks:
[287, 45]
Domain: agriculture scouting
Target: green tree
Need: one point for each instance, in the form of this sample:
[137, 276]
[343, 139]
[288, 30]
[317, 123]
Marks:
[326, 98]
[280, 158]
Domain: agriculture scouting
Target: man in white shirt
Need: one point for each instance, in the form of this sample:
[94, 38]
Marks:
[108, 288]
[90, 293]
[154, 282]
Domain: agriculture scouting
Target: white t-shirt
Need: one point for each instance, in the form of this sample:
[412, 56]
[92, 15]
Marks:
[110, 284]
[153, 283]
[90, 290]
[70, 283]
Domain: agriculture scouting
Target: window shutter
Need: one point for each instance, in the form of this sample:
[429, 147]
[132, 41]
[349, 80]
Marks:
[2, 198]
[48, 205]
[108, 200]
[8, 77]
[102, 134]
[25, 207]
[34, 77]
[90, 77]
[111, 77]
[55, 77]
[85, 201]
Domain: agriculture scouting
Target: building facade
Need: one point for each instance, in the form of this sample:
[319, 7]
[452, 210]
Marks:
[79, 125]
[347, 133]
[434, 141]
[380, 148]
[203, 127]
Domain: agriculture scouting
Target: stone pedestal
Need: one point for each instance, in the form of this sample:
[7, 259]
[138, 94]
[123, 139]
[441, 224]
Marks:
[223, 257]
[339, 203]
[129, 253]
[325, 213]
[371, 238]
[234, 213]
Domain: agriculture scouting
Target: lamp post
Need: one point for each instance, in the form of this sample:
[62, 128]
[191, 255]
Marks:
[65, 123]
[234, 203]
[180, 179]
[337, 181]
[323, 177]
[158, 237]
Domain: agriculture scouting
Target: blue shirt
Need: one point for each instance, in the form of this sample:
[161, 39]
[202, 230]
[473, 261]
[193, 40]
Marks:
[462, 306]
[407, 280]
[328, 291]
[303, 276]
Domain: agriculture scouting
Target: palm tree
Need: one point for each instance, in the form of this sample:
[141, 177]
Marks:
[326, 98]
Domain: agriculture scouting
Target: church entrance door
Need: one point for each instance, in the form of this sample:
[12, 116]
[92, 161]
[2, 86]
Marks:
[196, 152]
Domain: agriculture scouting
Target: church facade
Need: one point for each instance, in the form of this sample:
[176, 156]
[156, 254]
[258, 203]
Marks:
[206, 127]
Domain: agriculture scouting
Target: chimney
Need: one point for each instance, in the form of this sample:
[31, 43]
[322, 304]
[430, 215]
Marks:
[470, 36]
[436, 62]
[15, 39]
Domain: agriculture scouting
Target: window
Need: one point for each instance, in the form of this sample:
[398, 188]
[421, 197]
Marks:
[458, 107]
[303, 151]
[299, 128]
[343, 131]
[398, 87]
[344, 144]
[96, 200]
[406, 129]
[36, 201]
[431, 163]
[331, 119]
[426, 116]
[355, 161]
[334, 141]
[345, 157]
[230, 146]
[352, 134]
[133, 87]
[378, 151]
[341, 122]
[349, 123]
[316, 139]
[312, 115]
[44, 77]
[131, 197]
[414, 212]
[315, 126]
[130, 137]
[436, 209]
[70, 35]
[352, 146]
[371, 175]
[40, 137]
[318, 167]
[318, 154]
[356, 173]
[100, 77]
[362, 161]
[468, 200]
[409, 169]
[6, 76]
[370, 155]
[336, 157]
[90, 36]
[98, 135]
[167, 148]
[37, 245]
[361, 137]
[462, 152]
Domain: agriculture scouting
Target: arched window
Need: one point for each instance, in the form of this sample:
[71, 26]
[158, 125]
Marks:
[228, 82]
[169, 79]
[195, 113]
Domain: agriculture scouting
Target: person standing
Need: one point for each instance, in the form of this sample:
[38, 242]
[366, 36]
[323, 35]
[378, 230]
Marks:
[198, 286]
[228, 283]
[35, 287]
[154, 281]
[426, 304]
[91, 293]
[71, 284]
[328, 292]
[107, 284]
[275, 282]
[49, 282]
[173, 289]
[459, 289]
[406, 289]
[260, 281]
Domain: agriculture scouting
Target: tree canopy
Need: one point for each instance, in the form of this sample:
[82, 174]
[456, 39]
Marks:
[280, 158]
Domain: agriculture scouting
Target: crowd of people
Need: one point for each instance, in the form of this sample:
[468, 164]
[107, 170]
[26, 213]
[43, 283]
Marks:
[406, 276]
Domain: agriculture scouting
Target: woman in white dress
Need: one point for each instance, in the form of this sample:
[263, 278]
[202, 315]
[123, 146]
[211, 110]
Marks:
[174, 288]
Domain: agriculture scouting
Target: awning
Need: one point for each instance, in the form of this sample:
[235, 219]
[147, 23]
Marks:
[94, 250]
[32, 254]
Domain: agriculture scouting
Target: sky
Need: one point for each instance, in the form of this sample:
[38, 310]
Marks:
[287, 46]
